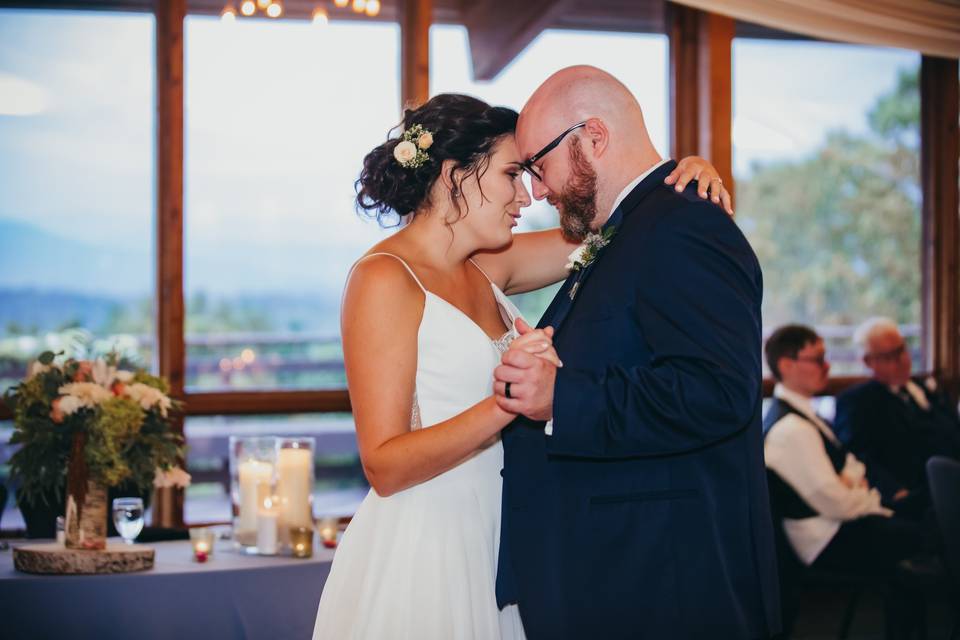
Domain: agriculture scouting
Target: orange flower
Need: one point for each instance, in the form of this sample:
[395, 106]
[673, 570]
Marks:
[118, 388]
[84, 372]
[55, 413]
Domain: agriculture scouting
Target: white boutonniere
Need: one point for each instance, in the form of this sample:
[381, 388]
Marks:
[584, 255]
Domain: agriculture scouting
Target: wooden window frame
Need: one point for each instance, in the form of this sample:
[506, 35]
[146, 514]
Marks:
[700, 98]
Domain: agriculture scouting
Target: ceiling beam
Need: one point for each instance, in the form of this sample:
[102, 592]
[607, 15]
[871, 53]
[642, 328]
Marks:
[499, 31]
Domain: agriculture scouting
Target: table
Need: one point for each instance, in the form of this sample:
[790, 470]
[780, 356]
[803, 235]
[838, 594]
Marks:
[230, 596]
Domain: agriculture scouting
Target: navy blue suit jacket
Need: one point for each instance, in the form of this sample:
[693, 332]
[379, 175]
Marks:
[886, 430]
[646, 514]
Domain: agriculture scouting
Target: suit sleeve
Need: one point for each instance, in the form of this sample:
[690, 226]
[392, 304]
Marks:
[857, 424]
[698, 294]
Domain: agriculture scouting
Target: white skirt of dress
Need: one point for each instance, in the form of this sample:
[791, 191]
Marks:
[421, 564]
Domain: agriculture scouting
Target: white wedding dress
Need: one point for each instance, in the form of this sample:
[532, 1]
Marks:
[422, 564]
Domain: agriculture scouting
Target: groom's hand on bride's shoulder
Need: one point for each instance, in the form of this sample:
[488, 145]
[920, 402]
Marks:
[531, 380]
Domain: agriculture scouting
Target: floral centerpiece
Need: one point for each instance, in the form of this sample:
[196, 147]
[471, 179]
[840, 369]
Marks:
[86, 425]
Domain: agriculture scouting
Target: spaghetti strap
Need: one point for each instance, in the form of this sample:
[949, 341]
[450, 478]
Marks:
[480, 270]
[405, 265]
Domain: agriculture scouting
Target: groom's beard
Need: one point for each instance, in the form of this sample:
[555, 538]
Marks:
[577, 203]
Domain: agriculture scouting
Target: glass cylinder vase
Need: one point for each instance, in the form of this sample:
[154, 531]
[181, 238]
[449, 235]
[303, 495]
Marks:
[253, 461]
[294, 485]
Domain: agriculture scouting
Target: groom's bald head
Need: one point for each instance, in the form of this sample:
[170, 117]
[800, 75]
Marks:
[585, 172]
[575, 94]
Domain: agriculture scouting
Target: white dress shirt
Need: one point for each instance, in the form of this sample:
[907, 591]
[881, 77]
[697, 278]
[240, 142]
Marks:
[548, 428]
[797, 454]
[915, 392]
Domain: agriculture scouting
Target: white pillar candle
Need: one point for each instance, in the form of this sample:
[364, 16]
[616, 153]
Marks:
[254, 478]
[267, 532]
[294, 467]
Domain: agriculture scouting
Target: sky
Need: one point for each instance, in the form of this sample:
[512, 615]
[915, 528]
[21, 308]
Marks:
[279, 116]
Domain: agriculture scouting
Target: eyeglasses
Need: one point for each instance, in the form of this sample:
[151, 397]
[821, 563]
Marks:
[820, 360]
[527, 165]
[892, 354]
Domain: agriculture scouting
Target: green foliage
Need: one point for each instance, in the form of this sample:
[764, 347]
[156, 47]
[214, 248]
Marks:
[898, 113]
[838, 232]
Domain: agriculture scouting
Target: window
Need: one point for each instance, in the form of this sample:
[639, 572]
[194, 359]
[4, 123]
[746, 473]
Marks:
[279, 118]
[76, 186]
[638, 60]
[826, 159]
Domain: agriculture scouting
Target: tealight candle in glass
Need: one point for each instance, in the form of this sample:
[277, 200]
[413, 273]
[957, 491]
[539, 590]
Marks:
[201, 539]
[301, 541]
[327, 530]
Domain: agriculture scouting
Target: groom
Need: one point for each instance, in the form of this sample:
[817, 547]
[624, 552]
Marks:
[634, 493]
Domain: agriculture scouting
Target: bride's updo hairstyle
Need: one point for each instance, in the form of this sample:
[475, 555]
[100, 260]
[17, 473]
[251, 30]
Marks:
[464, 130]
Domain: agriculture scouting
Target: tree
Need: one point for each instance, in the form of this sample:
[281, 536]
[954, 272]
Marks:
[838, 232]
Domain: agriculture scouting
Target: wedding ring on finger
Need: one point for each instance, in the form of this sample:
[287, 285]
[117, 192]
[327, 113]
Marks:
[506, 390]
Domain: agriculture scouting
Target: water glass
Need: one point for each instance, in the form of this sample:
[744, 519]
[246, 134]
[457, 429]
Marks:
[128, 517]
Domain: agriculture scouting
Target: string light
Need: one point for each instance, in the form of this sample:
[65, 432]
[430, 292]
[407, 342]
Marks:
[275, 9]
[320, 17]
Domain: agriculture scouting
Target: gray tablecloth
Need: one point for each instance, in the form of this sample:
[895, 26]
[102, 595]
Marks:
[230, 596]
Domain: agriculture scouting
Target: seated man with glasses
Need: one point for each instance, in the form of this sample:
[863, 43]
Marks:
[893, 420]
[825, 499]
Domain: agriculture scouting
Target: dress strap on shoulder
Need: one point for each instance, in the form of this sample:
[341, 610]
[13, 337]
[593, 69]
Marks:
[401, 260]
[474, 263]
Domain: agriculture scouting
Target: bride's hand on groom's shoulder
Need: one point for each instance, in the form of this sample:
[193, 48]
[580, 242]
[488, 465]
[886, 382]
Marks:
[707, 177]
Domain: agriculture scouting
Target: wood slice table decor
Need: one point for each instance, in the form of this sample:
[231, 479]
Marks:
[54, 558]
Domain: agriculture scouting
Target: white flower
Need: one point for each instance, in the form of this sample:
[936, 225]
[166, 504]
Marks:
[405, 152]
[175, 477]
[575, 256]
[85, 394]
[125, 376]
[69, 405]
[103, 373]
[147, 397]
[425, 140]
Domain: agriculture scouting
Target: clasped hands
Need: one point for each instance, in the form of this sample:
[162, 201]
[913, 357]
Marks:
[530, 367]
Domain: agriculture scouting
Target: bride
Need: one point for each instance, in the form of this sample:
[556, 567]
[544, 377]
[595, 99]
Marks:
[425, 319]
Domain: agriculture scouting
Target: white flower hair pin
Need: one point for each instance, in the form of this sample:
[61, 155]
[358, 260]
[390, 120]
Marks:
[584, 255]
[411, 151]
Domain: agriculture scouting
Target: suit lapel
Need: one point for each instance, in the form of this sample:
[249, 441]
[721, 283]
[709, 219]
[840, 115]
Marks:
[562, 303]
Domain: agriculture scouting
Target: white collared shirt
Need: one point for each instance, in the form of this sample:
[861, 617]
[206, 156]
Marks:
[633, 183]
[915, 392]
[548, 427]
[798, 456]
